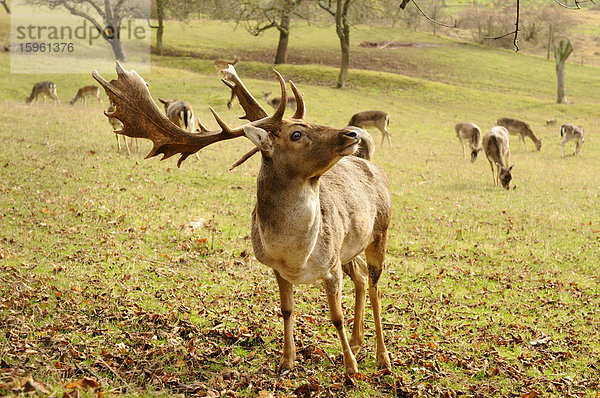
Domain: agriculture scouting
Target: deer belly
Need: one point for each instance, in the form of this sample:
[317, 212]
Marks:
[300, 274]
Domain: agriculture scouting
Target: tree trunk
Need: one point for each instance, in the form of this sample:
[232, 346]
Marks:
[343, 31]
[160, 15]
[117, 48]
[550, 39]
[561, 89]
[561, 53]
[284, 35]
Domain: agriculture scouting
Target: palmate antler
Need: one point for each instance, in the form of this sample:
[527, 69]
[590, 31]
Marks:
[142, 118]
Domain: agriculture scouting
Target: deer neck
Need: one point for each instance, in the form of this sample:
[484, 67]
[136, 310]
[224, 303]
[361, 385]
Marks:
[287, 219]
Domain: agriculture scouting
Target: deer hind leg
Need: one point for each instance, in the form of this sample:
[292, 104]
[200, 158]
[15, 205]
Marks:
[524, 143]
[286, 301]
[375, 253]
[493, 172]
[463, 148]
[127, 145]
[333, 288]
[357, 270]
[562, 148]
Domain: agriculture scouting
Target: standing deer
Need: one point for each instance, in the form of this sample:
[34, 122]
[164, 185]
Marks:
[45, 89]
[520, 128]
[378, 119]
[316, 207]
[180, 113]
[221, 64]
[496, 145]
[274, 102]
[117, 126]
[469, 133]
[87, 91]
[570, 132]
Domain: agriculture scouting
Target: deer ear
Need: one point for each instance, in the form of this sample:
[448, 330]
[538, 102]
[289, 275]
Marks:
[163, 101]
[260, 138]
[511, 167]
[479, 150]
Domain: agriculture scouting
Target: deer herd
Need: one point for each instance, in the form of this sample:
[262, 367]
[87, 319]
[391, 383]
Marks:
[320, 201]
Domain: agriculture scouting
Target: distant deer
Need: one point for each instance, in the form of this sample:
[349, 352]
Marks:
[221, 64]
[316, 207]
[571, 132]
[275, 101]
[551, 122]
[469, 133]
[520, 128]
[45, 89]
[496, 145]
[378, 119]
[117, 126]
[180, 113]
[87, 91]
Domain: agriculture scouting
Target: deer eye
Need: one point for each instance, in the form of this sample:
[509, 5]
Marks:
[296, 135]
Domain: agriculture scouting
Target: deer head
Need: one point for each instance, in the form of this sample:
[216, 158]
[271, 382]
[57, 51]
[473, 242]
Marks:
[272, 135]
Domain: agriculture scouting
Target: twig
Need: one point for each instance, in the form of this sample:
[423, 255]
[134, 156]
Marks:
[431, 19]
[118, 376]
[514, 32]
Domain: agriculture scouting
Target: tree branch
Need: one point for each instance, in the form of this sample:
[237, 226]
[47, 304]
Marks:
[404, 2]
[327, 7]
[514, 32]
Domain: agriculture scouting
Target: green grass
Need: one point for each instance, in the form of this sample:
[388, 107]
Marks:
[100, 277]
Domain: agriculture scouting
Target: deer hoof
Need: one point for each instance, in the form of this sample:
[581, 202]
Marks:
[383, 361]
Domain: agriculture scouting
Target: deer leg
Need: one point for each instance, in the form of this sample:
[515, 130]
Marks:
[463, 148]
[357, 270]
[118, 143]
[286, 301]
[388, 136]
[127, 145]
[493, 172]
[333, 288]
[375, 253]
[562, 148]
[231, 98]
[524, 143]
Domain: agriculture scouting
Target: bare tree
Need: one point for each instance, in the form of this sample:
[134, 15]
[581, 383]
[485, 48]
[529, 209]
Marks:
[105, 15]
[258, 16]
[158, 11]
[342, 28]
[561, 53]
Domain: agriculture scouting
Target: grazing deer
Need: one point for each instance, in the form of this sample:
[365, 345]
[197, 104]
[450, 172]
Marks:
[45, 89]
[471, 133]
[87, 91]
[316, 207]
[377, 119]
[366, 147]
[520, 128]
[180, 113]
[274, 102]
[118, 126]
[571, 132]
[551, 122]
[496, 145]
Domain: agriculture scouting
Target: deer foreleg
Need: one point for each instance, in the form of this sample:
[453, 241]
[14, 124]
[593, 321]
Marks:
[286, 298]
[463, 148]
[357, 270]
[118, 143]
[333, 288]
[562, 148]
[524, 143]
[375, 257]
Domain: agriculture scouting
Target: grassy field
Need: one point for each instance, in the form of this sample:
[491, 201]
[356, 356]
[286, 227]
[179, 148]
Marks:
[487, 293]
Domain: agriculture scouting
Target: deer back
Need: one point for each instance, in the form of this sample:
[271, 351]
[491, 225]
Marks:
[369, 118]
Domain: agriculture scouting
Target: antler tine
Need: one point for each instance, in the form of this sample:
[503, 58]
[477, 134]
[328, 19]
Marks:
[300, 106]
[278, 115]
[246, 156]
[254, 111]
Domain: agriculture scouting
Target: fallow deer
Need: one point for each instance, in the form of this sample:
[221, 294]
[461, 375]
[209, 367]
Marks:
[571, 132]
[275, 101]
[180, 113]
[117, 126]
[45, 89]
[378, 119]
[87, 91]
[469, 133]
[496, 145]
[316, 207]
[520, 128]
[221, 64]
